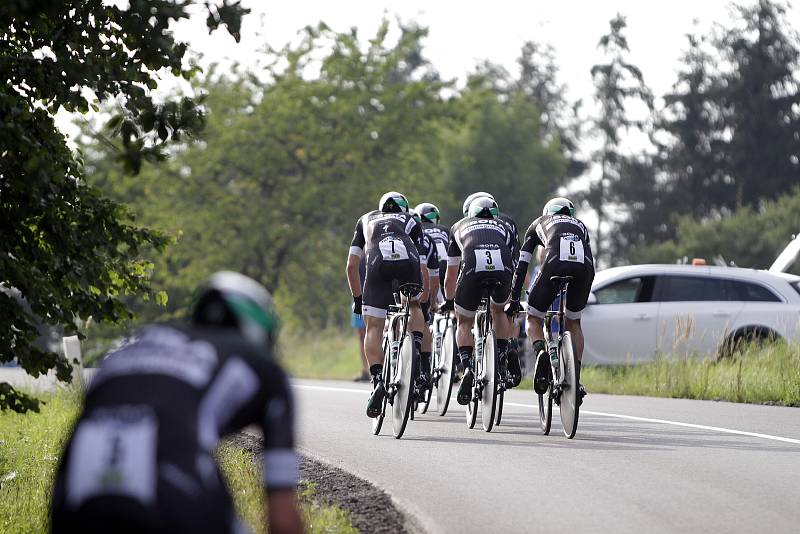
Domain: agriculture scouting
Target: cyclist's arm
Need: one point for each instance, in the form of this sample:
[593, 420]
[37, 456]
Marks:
[525, 255]
[354, 258]
[433, 271]
[453, 262]
[280, 458]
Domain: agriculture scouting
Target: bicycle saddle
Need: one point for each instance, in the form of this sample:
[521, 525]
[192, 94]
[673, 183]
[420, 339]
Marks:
[410, 288]
[490, 282]
[562, 279]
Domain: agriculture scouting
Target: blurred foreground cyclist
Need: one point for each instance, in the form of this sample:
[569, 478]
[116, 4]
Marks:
[567, 252]
[140, 455]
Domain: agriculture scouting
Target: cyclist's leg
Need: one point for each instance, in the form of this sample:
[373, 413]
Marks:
[577, 296]
[467, 300]
[427, 337]
[541, 296]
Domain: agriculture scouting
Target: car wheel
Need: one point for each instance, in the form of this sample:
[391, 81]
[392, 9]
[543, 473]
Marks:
[737, 342]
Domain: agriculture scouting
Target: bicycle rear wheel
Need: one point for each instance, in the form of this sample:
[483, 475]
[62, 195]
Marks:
[444, 386]
[488, 399]
[377, 422]
[404, 383]
[569, 390]
[546, 410]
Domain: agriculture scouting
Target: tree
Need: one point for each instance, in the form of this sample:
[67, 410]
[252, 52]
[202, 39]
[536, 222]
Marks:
[286, 164]
[538, 81]
[761, 103]
[67, 249]
[500, 147]
[618, 85]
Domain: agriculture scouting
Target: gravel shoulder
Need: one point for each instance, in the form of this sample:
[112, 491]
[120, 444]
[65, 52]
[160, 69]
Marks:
[371, 509]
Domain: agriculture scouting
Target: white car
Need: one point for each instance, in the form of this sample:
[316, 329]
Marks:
[640, 311]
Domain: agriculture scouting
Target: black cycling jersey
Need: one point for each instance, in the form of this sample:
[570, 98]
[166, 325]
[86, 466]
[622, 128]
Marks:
[392, 242]
[392, 236]
[140, 456]
[482, 246]
[440, 235]
[512, 229]
[567, 252]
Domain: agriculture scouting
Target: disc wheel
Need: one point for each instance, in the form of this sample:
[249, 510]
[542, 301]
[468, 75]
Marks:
[377, 422]
[488, 376]
[569, 390]
[406, 370]
[444, 386]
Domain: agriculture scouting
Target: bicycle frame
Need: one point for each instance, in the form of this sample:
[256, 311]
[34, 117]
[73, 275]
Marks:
[396, 333]
[548, 330]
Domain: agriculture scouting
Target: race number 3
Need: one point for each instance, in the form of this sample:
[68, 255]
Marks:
[488, 260]
[393, 249]
[571, 249]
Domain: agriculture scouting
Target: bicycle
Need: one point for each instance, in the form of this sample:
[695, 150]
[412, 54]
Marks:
[443, 355]
[400, 361]
[562, 387]
[485, 386]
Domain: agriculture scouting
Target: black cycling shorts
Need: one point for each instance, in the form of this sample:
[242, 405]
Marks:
[378, 284]
[543, 291]
[469, 289]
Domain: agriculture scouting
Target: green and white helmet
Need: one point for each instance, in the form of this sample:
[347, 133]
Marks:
[429, 212]
[393, 202]
[484, 207]
[473, 196]
[559, 205]
[233, 300]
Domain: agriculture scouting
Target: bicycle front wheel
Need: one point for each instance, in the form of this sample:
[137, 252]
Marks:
[546, 410]
[488, 400]
[404, 384]
[569, 389]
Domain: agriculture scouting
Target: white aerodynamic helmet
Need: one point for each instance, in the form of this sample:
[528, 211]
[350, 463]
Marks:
[473, 196]
[559, 205]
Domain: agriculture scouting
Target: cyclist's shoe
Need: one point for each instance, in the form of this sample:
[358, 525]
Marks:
[513, 368]
[375, 402]
[464, 394]
[541, 378]
[423, 382]
[581, 394]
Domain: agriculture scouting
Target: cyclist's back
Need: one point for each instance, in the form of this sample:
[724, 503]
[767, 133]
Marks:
[140, 458]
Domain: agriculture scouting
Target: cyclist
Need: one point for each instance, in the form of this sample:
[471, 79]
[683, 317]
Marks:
[429, 257]
[513, 355]
[389, 236]
[439, 233]
[567, 252]
[140, 457]
[481, 244]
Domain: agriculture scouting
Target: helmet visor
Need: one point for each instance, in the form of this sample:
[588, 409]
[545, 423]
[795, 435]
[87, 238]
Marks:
[400, 201]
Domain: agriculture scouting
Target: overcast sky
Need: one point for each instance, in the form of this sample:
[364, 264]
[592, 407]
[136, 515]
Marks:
[463, 33]
[466, 32]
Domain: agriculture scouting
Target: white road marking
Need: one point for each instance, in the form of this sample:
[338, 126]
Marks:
[677, 423]
[600, 414]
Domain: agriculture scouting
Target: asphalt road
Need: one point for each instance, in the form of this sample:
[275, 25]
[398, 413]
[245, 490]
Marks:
[636, 464]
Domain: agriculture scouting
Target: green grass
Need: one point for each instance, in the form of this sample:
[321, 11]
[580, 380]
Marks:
[331, 354]
[30, 446]
[244, 475]
[769, 374]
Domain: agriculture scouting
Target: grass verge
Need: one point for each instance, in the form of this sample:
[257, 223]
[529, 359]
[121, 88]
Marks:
[30, 447]
[244, 482]
[768, 374]
[330, 354]
[759, 374]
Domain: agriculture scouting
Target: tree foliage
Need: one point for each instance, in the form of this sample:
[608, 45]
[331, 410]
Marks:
[67, 249]
[618, 85]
